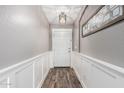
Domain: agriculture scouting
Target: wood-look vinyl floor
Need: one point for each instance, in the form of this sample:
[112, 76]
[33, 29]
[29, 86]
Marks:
[61, 78]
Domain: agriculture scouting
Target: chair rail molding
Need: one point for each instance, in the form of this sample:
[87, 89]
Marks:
[93, 72]
[29, 73]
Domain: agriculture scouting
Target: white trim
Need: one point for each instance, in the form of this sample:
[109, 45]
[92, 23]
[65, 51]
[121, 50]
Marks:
[42, 81]
[16, 65]
[73, 59]
[96, 73]
[51, 59]
[79, 78]
[114, 67]
[12, 70]
[107, 64]
[33, 75]
[40, 84]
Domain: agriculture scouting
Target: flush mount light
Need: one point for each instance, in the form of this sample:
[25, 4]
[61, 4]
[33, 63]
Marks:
[62, 18]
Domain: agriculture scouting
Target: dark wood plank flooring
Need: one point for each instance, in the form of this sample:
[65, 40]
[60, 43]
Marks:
[61, 78]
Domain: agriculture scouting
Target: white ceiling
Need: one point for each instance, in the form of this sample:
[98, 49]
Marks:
[52, 13]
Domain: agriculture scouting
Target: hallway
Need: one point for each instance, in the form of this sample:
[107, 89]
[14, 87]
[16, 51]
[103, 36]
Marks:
[61, 78]
[61, 46]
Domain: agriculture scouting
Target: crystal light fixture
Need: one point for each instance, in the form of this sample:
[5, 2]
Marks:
[62, 18]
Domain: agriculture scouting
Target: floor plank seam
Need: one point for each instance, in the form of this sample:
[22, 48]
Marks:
[61, 77]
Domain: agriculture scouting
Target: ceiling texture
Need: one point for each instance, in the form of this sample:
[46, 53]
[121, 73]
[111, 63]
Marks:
[52, 13]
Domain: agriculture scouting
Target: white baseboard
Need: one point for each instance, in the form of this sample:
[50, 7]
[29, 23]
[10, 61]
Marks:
[42, 81]
[79, 78]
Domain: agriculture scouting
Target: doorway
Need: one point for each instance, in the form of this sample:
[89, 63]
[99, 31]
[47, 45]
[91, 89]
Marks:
[62, 47]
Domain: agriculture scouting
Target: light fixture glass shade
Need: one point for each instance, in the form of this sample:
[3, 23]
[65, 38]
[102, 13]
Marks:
[62, 18]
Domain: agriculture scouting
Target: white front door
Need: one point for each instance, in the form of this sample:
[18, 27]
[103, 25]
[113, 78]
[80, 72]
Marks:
[62, 43]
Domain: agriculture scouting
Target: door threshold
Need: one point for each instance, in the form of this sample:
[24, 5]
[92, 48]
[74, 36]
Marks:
[62, 67]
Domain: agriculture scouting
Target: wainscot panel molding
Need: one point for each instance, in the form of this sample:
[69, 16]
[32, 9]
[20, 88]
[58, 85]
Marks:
[26, 74]
[94, 73]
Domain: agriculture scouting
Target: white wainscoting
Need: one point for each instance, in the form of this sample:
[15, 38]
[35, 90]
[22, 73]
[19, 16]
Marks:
[27, 74]
[94, 73]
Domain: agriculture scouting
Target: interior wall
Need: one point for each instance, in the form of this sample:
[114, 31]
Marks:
[75, 35]
[76, 39]
[61, 26]
[106, 45]
[24, 33]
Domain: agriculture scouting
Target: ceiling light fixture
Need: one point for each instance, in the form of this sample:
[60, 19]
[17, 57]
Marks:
[62, 18]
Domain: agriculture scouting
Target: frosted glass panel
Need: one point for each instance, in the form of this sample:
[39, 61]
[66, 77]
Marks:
[116, 11]
[107, 17]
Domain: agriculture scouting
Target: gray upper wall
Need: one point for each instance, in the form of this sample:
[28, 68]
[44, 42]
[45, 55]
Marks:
[24, 33]
[75, 37]
[106, 45]
[75, 34]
